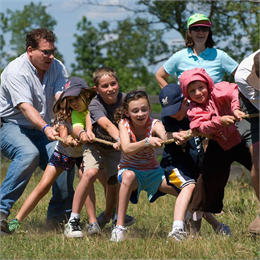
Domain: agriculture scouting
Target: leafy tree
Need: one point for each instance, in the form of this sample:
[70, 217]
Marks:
[3, 26]
[19, 23]
[129, 48]
[235, 24]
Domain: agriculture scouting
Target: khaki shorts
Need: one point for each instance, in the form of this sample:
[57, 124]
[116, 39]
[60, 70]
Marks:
[101, 157]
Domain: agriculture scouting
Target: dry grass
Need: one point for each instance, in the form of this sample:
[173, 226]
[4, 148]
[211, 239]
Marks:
[146, 239]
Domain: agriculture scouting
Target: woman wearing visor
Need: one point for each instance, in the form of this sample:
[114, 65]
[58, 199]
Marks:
[199, 53]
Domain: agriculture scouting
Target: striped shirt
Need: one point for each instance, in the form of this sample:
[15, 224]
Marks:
[143, 160]
[20, 84]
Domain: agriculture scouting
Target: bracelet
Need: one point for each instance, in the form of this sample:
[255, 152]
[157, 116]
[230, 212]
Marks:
[45, 127]
[118, 139]
[146, 141]
[80, 132]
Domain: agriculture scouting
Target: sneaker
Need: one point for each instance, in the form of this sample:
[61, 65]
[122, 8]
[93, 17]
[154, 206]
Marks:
[129, 221]
[14, 225]
[255, 226]
[93, 228]
[118, 234]
[102, 221]
[72, 228]
[223, 229]
[4, 224]
[177, 234]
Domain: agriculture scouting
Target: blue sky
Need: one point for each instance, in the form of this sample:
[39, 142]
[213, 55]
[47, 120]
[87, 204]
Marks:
[68, 13]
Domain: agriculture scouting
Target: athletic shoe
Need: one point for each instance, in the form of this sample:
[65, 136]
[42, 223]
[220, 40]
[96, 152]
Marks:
[4, 224]
[223, 229]
[14, 225]
[177, 234]
[255, 226]
[72, 228]
[102, 221]
[129, 221]
[118, 234]
[93, 228]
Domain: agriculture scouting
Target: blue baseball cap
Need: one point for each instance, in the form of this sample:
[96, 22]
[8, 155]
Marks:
[74, 86]
[170, 98]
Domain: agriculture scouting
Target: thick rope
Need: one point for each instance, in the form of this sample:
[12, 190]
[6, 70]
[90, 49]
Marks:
[250, 115]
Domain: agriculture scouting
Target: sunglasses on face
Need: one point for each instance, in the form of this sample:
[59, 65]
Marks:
[48, 52]
[133, 94]
[200, 28]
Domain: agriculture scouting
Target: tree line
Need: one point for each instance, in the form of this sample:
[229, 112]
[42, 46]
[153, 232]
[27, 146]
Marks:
[134, 44]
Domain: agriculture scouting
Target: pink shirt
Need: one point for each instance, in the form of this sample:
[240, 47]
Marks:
[223, 100]
[143, 160]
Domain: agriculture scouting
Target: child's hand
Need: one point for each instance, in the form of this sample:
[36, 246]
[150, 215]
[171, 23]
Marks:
[83, 137]
[69, 140]
[179, 137]
[117, 145]
[239, 115]
[155, 142]
[90, 136]
[227, 120]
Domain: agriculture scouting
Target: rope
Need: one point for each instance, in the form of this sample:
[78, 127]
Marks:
[95, 140]
[250, 115]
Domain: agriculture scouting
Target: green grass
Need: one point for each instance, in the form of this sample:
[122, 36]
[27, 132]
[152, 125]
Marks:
[146, 239]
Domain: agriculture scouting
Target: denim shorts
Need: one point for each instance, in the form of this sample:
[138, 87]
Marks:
[63, 161]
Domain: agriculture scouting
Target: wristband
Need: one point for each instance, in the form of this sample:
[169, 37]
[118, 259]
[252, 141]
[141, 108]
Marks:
[80, 132]
[146, 141]
[45, 127]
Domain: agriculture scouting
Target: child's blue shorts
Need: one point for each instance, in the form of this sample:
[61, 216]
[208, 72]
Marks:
[148, 181]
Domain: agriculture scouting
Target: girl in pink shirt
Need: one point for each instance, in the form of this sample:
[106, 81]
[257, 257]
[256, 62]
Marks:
[213, 111]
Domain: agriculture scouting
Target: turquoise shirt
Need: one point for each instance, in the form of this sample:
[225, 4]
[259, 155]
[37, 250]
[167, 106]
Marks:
[216, 63]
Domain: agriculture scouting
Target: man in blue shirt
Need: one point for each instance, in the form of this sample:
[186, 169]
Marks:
[29, 86]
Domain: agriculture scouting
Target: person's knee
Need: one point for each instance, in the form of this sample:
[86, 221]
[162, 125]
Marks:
[128, 178]
[29, 157]
[90, 175]
[43, 188]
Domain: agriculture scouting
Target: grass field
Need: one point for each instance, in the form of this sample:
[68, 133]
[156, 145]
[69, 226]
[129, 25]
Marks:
[146, 238]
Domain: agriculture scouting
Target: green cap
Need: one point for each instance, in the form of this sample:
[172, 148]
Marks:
[196, 18]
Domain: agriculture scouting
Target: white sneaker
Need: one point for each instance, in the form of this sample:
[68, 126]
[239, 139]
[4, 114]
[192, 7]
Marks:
[118, 234]
[93, 228]
[177, 234]
[72, 228]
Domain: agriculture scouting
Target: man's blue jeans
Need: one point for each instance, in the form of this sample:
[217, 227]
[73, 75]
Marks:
[29, 148]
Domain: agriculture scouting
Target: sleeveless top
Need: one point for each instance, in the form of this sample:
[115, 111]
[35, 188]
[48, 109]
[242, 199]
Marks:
[146, 158]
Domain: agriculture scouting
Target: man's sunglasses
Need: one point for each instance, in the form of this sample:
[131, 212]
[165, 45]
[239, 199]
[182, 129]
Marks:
[200, 28]
[48, 52]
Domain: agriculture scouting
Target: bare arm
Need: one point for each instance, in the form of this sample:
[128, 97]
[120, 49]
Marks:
[161, 77]
[33, 116]
[112, 130]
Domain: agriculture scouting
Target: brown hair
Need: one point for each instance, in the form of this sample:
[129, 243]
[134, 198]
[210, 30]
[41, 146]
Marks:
[98, 73]
[133, 95]
[33, 37]
[190, 43]
[59, 116]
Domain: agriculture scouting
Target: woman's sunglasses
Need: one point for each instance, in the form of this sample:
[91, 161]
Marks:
[200, 28]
